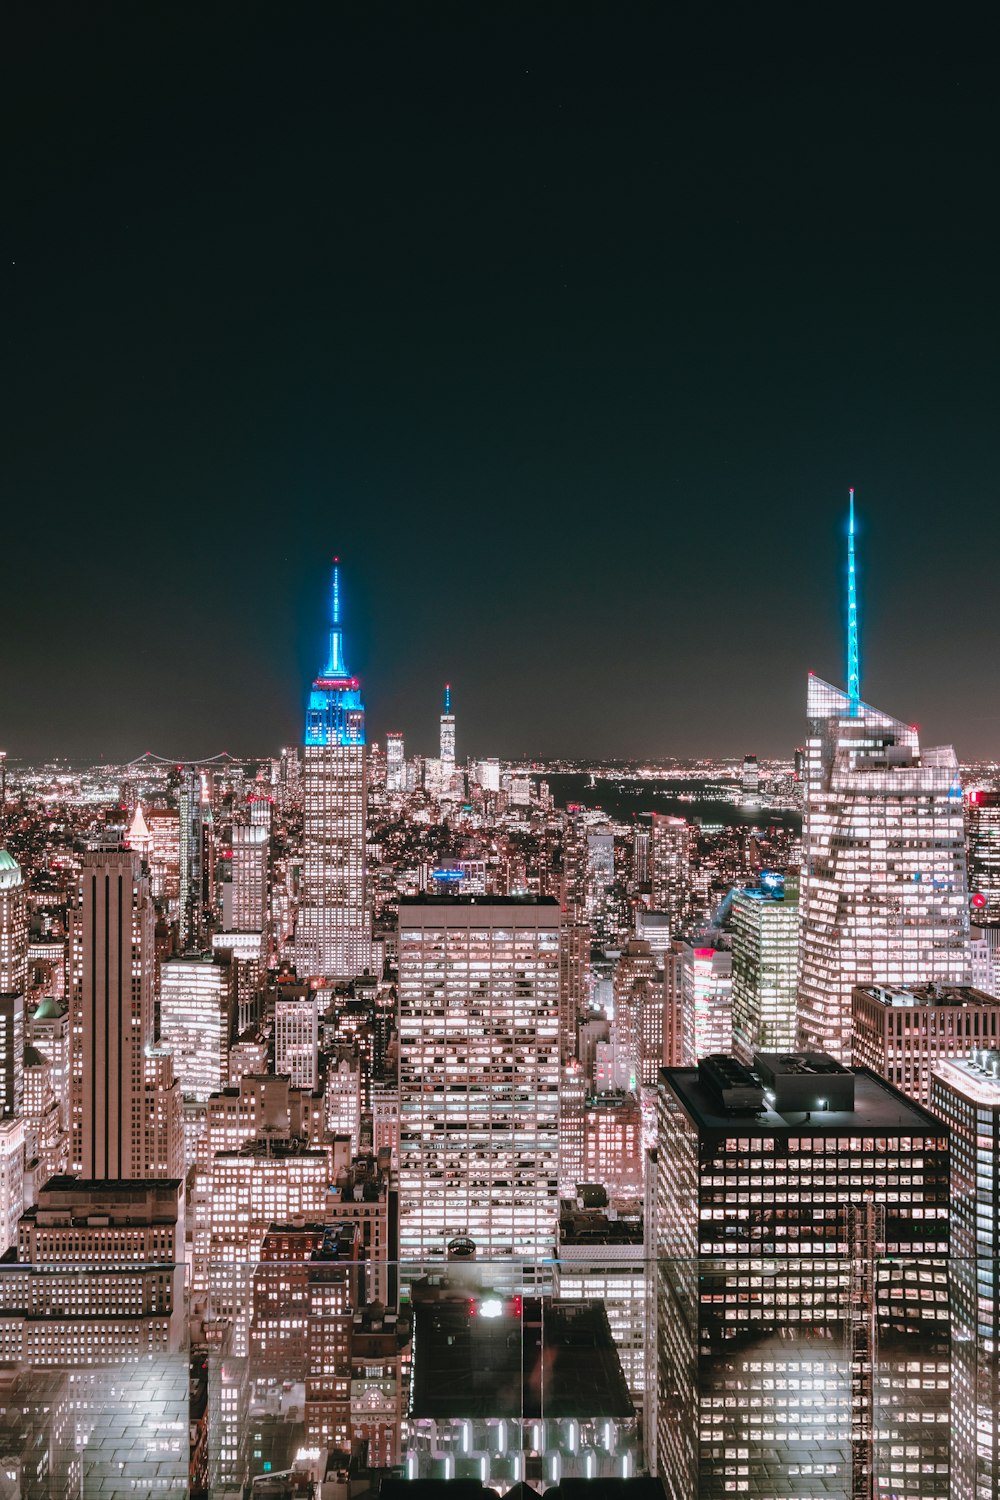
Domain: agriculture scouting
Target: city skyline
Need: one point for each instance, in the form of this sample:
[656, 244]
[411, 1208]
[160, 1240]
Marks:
[553, 441]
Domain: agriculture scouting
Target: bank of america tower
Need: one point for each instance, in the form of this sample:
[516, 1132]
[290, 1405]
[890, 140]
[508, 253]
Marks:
[884, 890]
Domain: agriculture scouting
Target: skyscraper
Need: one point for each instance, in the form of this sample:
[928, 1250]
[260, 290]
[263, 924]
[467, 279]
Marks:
[785, 1354]
[192, 853]
[447, 737]
[670, 868]
[13, 927]
[984, 856]
[122, 1094]
[333, 931]
[479, 1075]
[248, 889]
[884, 895]
[966, 1093]
[395, 762]
[765, 966]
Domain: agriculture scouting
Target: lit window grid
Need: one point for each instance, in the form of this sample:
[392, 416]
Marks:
[479, 1082]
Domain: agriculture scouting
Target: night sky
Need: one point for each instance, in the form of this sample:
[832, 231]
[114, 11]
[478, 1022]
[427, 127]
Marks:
[567, 327]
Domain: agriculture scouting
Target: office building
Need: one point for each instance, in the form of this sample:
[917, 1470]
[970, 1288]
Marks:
[602, 1257]
[751, 781]
[884, 897]
[902, 1034]
[965, 1093]
[479, 1075]
[654, 928]
[471, 1404]
[245, 910]
[192, 811]
[13, 927]
[197, 1022]
[574, 978]
[612, 1143]
[99, 1276]
[801, 1236]
[983, 844]
[395, 763]
[765, 922]
[125, 1108]
[296, 1039]
[599, 880]
[333, 930]
[342, 1099]
[11, 1054]
[706, 1001]
[48, 1030]
[11, 1180]
[670, 873]
[635, 968]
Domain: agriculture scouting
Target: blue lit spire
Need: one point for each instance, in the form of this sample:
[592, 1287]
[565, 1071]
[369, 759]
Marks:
[335, 665]
[447, 697]
[853, 662]
[336, 712]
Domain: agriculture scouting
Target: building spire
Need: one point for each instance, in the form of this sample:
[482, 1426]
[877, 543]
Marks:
[335, 666]
[447, 697]
[853, 662]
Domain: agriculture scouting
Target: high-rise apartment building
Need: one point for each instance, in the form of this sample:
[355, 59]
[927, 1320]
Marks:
[479, 1075]
[333, 931]
[13, 927]
[799, 1256]
[765, 966]
[965, 1093]
[902, 1034]
[670, 868]
[123, 1102]
[884, 897]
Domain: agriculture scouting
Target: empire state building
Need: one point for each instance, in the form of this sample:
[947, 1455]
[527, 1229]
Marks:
[333, 931]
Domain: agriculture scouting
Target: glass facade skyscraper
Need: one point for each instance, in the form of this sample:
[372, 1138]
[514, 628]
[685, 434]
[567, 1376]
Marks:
[765, 966]
[884, 897]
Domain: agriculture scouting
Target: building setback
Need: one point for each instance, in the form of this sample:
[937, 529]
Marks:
[902, 1034]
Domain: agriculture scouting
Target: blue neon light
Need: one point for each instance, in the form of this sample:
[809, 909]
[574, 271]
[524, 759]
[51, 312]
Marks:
[335, 715]
[853, 657]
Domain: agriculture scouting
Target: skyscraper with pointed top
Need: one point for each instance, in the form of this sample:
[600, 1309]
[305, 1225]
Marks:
[447, 736]
[883, 897]
[333, 931]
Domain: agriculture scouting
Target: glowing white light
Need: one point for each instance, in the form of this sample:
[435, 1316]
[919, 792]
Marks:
[491, 1307]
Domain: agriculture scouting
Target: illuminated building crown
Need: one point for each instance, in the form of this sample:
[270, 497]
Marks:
[336, 712]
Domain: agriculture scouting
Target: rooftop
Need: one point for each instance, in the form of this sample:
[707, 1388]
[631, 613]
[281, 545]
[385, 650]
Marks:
[937, 995]
[482, 1359]
[878, 1107]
